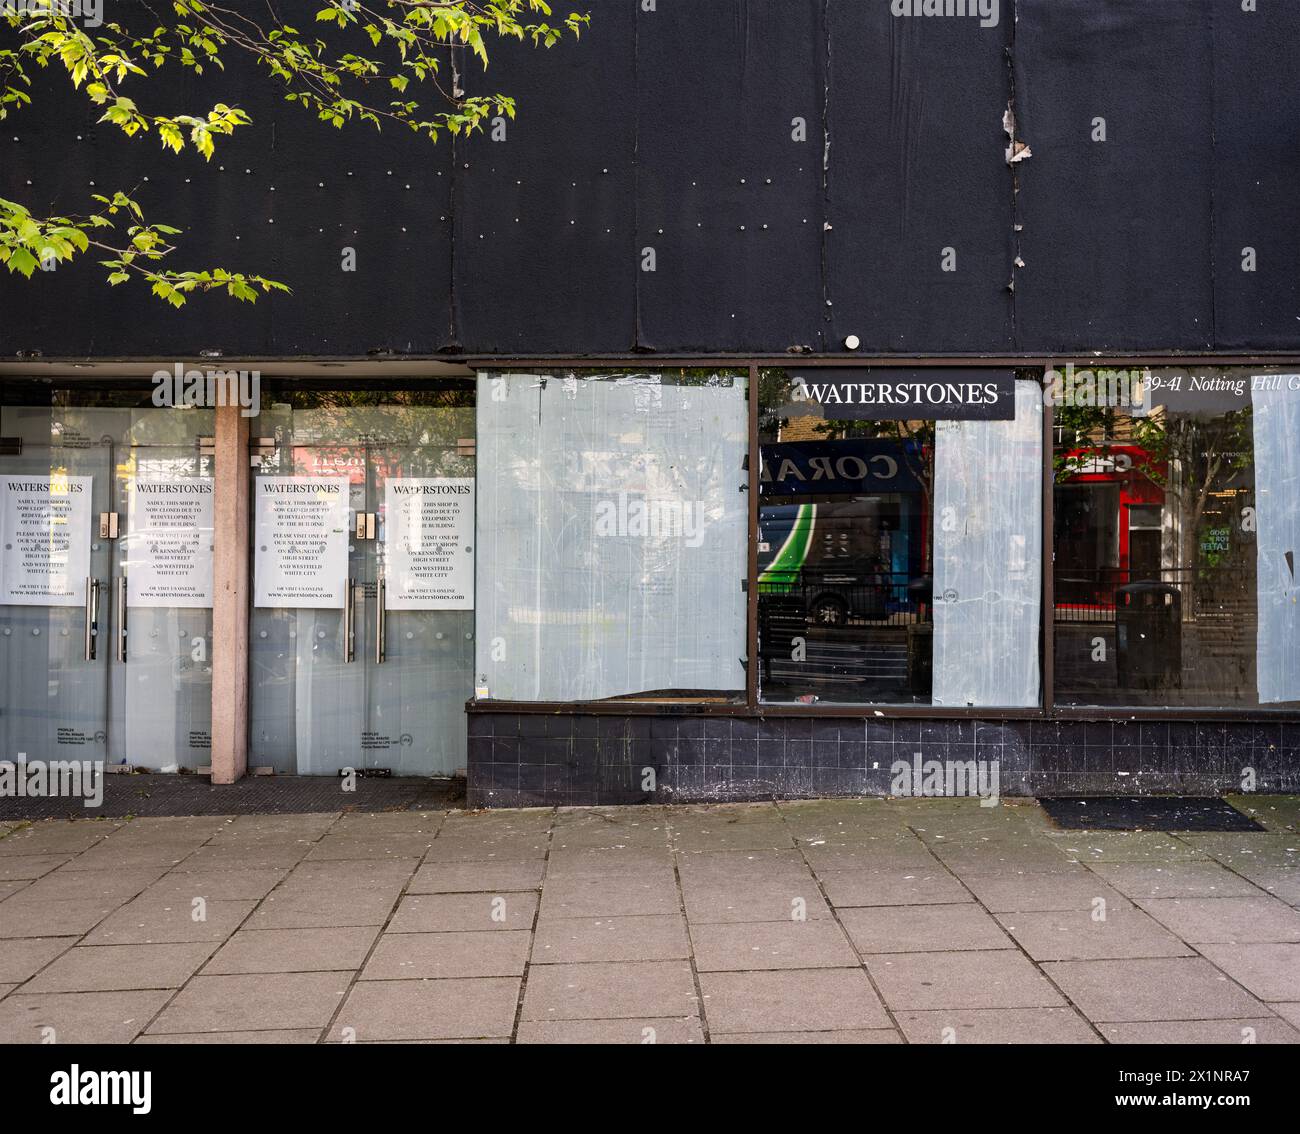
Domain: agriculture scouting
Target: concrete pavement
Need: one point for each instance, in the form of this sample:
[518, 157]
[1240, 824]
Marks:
[877, 921]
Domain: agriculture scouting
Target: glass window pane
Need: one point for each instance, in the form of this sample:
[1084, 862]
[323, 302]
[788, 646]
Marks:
[1176, 497]
[611, 535]
[899, 560]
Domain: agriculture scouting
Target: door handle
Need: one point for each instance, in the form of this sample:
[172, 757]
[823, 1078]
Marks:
[121, 618]
[350, 622]
[381, 626]
[92, 616]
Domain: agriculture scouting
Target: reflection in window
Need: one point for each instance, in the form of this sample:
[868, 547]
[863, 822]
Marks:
[611, 535]
[1176, 501]
[899, 560]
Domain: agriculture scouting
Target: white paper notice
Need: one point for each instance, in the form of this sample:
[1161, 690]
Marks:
[302, 541]
[44, 539]
[169, 543]
[428, 543]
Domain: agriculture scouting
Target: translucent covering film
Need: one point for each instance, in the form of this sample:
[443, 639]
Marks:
[611, 535]
[1277, 498]
[988, 549]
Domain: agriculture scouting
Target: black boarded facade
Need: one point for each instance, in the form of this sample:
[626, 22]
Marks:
[803, 173]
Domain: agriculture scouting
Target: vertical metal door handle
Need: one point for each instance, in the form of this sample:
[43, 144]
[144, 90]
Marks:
[380, 621]
[350, 622]
[121, 618]
[92, 616]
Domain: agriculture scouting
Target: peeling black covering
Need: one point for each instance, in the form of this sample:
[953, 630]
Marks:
[675, 130]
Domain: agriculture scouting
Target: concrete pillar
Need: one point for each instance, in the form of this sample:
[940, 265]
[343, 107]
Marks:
[230, 598]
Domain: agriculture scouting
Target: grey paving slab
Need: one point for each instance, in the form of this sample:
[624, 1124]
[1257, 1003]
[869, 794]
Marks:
[217, 885]
[595, 897]
[1270, 971]
[114, 968]
[997, 1026]
[596, 827]
[383, 824]
[1170, 988]
[20, 867]
[6, 989]
[64, 918]
[1013, 891]
[749, 867]
[1215, 920]
[79, 1017]
[1175, 880]
[432, 956]
[907, 853]
[1289, 1012]
[1274, 848]
[791, 1000]
[926, 928]
[647, 864]
[354, 848]
[56, 836]
[1282, 882]
[113, 886]
[604, 991]
[899, 887]
[1265, 1030]
[293, 950]
[873, 1036]
[672, 1031]
[444, 913]
[447, 848]
[160, 920]
[320, 905]
[971, 860]
[754, 902]
[107, 856]
[245, 1003]
[738, 947]
[1078, 935]
[654, 937]
[972, 979]
[1126, 846]
[435, 1009]
[233, 855]
[24, 957]
[476, 877]
[274, 1036]
[8, 888]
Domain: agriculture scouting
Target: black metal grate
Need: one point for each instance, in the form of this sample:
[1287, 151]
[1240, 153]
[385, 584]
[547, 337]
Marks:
[1146, 813]
[173, 795]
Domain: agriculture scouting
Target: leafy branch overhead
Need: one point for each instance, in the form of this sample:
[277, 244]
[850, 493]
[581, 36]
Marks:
[389, 61]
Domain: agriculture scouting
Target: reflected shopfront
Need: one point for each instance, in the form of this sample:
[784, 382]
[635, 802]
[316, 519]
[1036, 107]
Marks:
[362, 544]
[106, 546]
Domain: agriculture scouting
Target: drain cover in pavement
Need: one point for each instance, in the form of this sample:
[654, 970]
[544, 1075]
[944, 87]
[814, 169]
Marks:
[1146, 813]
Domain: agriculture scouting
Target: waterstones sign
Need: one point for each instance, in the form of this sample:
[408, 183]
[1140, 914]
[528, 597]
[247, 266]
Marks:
[301, 532]
[904, 393]
[44, 540]
[169, 549]
[428, 543]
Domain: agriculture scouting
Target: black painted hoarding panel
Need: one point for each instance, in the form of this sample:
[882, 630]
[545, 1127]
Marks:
[1116, 240]
[729, 193]
[916, 167]
[545, 216]
[1256, 176]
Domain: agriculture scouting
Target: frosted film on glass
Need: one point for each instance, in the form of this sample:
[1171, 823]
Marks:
[611, 536]
[987, 555]
[1277, 503]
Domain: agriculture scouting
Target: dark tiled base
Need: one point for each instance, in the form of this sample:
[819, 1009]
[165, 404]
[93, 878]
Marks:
[532, 759]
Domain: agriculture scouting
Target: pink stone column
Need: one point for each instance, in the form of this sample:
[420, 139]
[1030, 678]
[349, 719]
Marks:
[230, 598]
